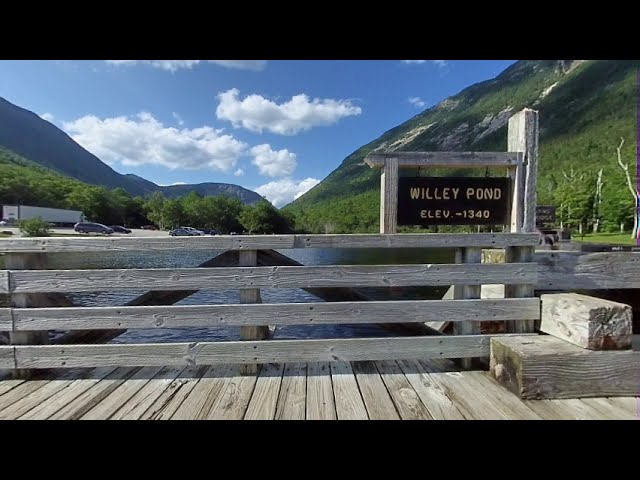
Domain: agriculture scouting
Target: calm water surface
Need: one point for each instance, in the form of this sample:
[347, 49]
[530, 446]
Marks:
[171, 259]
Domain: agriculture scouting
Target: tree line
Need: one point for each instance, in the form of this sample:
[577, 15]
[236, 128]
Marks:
[25, 183]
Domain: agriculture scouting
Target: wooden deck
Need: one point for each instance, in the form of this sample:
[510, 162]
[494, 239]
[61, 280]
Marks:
[384, 390]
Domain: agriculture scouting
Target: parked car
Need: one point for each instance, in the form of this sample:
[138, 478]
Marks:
[3, 223]
[182, 232]
[150, 227]
[119, 229]
[209, 231]
[88, 227]
[194, 231]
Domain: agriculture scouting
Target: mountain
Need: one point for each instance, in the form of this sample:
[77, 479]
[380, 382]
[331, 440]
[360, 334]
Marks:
[41, 142]
[585, 108]
[247, 196]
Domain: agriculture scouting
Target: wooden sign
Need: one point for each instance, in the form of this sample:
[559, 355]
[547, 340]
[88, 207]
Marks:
[453, 200]
[545, 215]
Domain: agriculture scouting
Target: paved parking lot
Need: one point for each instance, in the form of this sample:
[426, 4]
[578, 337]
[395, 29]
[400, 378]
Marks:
[135, 232]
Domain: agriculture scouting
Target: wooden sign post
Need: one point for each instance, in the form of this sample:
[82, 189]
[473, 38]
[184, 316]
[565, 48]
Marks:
[507, 201]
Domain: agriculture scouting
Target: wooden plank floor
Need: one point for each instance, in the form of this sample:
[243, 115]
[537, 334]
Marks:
[388, 390]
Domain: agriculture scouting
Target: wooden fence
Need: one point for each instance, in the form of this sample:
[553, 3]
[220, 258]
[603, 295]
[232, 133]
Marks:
[31, 286]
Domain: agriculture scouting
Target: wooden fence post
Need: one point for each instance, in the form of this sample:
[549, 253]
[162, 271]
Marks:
[463, 292]
[522, 137]
[249, 258]
[26, 261]
[389, 196]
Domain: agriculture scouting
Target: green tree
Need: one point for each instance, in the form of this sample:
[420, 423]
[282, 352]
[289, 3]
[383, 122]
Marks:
[154, 206]
[222, 213]
[264, 218]
[172, 213]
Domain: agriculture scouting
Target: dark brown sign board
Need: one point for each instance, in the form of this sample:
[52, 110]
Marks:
[453, 200]
[545, 215]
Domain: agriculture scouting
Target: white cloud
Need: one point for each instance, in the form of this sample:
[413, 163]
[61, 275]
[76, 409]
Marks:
[416, 102]
[257, 113]
[179, 183]
[282, 192]
[273, 163]
[48, 117]
[437, 63]
[142, 139]
[173, 65]
[239, 172]
[177, 118]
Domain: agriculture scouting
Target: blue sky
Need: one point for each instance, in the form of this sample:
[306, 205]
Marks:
[277, 127]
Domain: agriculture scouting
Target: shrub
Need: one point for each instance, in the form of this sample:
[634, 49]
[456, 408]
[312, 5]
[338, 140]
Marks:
[35, 227]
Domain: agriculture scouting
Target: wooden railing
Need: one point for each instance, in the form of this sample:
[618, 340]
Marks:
[29, 317]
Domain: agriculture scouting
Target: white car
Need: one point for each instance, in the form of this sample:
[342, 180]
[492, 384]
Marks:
[2, 223]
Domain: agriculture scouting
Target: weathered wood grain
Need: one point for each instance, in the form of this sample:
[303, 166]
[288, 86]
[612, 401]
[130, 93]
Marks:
[249, 258]
[502, 398]
[232, 403]
[468, 400]
[389, 196]
[121, 395]
[374, 393]
[139, 403]
[349, 403]
[569, 409]
[259, 242]
[158, 297]
[4, 282]
[27, 281]
[44, 410]
[273, 351]
[630, 404]
[198, 403]
[28, 402]
[7, 357]
[609, 409]
[588, 322]
[26, 261]
[22, 389]
[9, 383]
[592, 271]
[404, 396]
[6, 320]
[342, 294]
[293, 393]
[320, 402]
[468, 256]
[544, 367]
[445, 159]
[265, 394]
[523, 133]
[94, 395]
[440, 406]
[511, 290]
[164, 407]
[182, 316]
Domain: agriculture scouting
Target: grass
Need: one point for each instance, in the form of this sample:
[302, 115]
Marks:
[612, 238]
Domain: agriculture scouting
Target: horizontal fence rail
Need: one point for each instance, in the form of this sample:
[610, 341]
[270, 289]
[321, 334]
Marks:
[446, 159]
[266, 242]
[41, 281]
[183, 316]
[247, 352]
[39, 303]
